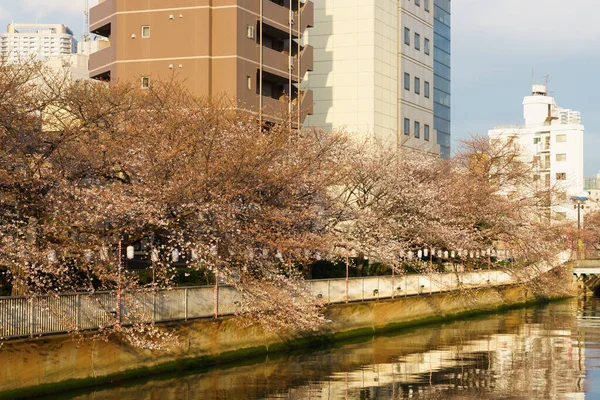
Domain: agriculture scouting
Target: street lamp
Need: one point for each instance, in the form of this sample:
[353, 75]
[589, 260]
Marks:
[579, 205]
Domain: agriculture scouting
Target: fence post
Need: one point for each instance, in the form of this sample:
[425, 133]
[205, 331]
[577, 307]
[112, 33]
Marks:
[153, 304]
[363, 290]
[78, 306]
[31, 317]
[185, 294]
[216, 294]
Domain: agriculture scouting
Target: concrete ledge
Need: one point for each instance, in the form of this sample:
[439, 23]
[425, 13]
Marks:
[51, 364]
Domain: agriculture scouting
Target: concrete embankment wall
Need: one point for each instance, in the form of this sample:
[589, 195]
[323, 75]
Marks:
[57, 362]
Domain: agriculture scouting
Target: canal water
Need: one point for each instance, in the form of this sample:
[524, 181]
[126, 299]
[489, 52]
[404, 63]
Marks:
[542, 352]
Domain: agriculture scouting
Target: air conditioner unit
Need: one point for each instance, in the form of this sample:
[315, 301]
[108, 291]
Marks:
[250, 32]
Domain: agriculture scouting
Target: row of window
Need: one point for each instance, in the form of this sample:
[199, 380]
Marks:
[417, 41]
[417, 85]
[562, 138]
[425, 4]
[560, 176]
[417, 129]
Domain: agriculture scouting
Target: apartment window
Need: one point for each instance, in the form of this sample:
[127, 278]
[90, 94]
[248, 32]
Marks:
[426, 5]
[417, 41]
[417, 129]
[561, 138]
[561, 215]
[145, 31]
[561, 157]
[406, 126]
[418, 3]
[249, 82]
[407, 36]
[406, 81]
[426, 89]
[250, 32]
[145, 82]
[417, 85]
[536, 140]
[561, 176]
[426, 46]
[426, 132]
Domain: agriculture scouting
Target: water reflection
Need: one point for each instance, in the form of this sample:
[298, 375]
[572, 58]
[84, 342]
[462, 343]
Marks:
[550, 352]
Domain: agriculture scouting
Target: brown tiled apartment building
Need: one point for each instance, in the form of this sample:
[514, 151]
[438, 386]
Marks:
[247, 50]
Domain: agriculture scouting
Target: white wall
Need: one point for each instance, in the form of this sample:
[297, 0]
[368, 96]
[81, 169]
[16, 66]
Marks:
[360, 60]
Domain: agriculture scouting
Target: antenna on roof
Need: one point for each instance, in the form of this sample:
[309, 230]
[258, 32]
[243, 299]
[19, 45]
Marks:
[86, 22]
[546, 80]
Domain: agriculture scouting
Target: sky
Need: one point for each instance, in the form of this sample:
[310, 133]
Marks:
[495, 46]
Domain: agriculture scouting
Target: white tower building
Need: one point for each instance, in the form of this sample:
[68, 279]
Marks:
[36, 41]
[552, 139]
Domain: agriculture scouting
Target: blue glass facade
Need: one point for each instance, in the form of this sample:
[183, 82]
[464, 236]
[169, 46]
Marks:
[441, 71]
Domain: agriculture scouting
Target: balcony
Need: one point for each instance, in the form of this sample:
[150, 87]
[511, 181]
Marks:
[306, 61]
[273, 12]
[101, 17]
[280, 15]
[100, 63]
[306, 16]
[277, 61]
[306, 103]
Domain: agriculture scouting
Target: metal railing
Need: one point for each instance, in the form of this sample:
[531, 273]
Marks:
[43, 315]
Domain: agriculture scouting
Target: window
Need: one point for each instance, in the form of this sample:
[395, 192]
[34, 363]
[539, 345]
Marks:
[536, 140]
[561, 138]
[250, 32]
[426, 46]
[417, 85]
[145, 82]
[406, 126]
[561, 176]
[417, 129]
[249, 82]
[145, 31]
[426, 5]
[426, 89]
[561, 157]
[418, 3]
[426, 129]
[407, 36]
[406, 81]
[417, 41]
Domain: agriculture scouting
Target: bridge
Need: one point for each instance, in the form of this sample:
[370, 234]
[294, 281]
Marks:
[587, 272]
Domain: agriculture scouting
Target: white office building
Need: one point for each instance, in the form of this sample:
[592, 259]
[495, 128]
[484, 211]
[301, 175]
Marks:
[36, 41]
[374, 69]
[552, 140]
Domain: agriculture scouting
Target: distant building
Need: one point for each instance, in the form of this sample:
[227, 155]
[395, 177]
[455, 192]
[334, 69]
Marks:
[77, 65]
[552, 140]
[24, 42]
[248, 51]
[592, 186]
[382, 70]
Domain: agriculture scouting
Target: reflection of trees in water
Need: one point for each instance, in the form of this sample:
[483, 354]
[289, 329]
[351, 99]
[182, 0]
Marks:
[523, 354]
